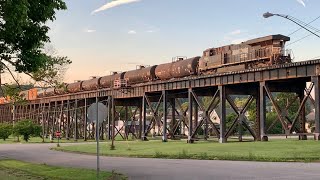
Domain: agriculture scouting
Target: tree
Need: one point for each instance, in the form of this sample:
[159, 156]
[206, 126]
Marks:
[27, 129]
[52, 73]
[5, 131]
[23, 34]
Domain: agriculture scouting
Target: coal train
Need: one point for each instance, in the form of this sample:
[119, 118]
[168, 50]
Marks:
[254, 53]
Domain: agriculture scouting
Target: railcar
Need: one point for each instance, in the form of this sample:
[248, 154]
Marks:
[179, 68]
[255, 53]
[91, 84]
[107, 81]
[140, 75]
[74, 87]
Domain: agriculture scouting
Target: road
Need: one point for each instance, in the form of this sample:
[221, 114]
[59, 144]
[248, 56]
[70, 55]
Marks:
[160, 169]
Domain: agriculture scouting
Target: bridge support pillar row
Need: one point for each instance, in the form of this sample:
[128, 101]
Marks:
[262, 111]
[222, 109]
[190, 109]
[144, 119]
[165, 115]
[316, 81]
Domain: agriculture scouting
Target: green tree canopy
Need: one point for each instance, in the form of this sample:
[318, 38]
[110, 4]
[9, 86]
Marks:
[23, 32]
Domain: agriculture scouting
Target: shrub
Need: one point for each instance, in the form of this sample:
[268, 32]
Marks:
[27, 129]
[5, 131]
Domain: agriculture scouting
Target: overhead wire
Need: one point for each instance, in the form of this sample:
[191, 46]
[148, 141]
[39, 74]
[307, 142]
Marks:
[306, 25]
[302, 28]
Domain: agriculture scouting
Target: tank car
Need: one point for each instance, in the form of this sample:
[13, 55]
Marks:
[24, 94]
[61, 89]
[74, 87]
[177, 69]
[107, 81]
[91, 84]
[140, 75]
[255, 53]
[41, 93]
[49, 92]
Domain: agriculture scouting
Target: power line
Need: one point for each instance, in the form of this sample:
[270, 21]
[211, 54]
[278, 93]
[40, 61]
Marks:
[301, 38]
[306, 24]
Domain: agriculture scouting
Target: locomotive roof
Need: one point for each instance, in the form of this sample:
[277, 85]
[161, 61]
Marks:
[266, 38]
[257, 40]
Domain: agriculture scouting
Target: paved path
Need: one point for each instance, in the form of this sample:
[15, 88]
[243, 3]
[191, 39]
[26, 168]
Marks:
[164, 169]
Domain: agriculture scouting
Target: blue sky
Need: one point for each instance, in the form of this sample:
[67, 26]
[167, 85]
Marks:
[153, 31]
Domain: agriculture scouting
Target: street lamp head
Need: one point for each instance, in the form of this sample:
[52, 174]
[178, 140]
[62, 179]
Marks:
[267, 14]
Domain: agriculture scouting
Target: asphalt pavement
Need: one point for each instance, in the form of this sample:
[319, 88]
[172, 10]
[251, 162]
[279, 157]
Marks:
[165, 169]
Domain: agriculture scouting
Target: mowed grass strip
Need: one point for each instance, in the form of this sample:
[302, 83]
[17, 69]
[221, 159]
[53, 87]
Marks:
[274, 150]
[12, 169]
[12, 140]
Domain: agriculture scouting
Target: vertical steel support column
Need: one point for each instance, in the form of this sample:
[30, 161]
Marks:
[42, 120]
[222, 109]
[140, 120]
[165, 115]
[262, 112]
[126, 123]
[257, 127]
[61, 116]
[113, 120]
[190, 100]
[68, 121]
[173, 117]
[85, 123]
[54, 118]
[302, 116]
[316, 82]
[48, 120]
[144, 118]
[109, 118]
[195, 114]
[75, 120]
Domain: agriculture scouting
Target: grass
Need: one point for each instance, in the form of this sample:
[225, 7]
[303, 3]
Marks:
[12, 140]
[17, 170]
[275, 150]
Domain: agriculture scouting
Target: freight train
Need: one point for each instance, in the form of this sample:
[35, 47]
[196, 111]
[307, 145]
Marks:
[254, 53]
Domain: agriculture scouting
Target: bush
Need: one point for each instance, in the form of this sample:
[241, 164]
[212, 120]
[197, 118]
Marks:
[5, 131]
[27, 129]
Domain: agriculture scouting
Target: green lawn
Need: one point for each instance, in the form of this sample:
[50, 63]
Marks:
[11, 140]
[274, 150]
[17, 170]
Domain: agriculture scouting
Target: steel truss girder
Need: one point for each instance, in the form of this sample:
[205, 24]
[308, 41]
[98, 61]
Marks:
[132, 116]
[241, 119]
[284, 119]
[207, 110]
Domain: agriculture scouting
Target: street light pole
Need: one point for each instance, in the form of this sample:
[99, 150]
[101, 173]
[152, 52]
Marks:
[268, 14]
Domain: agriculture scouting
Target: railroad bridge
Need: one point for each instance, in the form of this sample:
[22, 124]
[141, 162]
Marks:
[161, 99]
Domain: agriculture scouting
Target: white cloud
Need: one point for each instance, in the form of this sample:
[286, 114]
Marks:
[302, 2]
[150, 31]
[132, 32]
[89, 30]
[113, 4]
[236, 32]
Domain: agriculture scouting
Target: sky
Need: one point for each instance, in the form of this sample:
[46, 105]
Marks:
[101, 36]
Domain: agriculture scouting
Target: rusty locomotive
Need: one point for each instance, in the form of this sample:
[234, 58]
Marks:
[254, 53]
